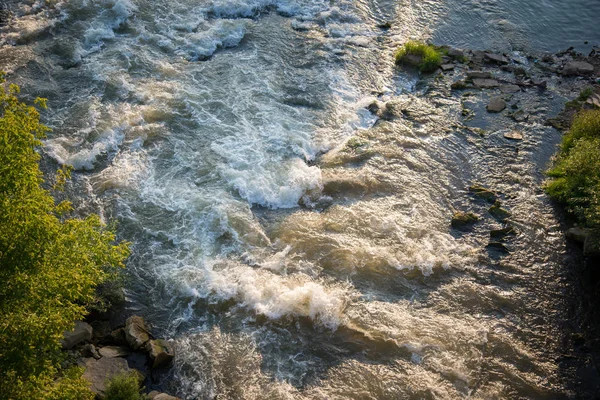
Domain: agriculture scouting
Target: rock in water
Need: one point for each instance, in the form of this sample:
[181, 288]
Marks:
[578, 68]
[514, 135]
[482, 193]
[496, 58]
[479, 75]
[160, 352]
[136, 332]
[81, 333]
[447, 67]
[154, 395]
[114, 351]
[496, 105]
[485, 83]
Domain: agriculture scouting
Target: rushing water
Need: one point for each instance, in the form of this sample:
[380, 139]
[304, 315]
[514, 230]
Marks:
[288, 245]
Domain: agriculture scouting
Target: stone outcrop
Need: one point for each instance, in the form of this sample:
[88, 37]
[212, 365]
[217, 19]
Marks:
[98, 372]
[136, 332]
[81, 333]
[578, 68]
[160, 353]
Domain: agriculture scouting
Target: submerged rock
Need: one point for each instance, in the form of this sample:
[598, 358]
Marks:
[496, 105]
[497, 246]
[136, 332]
[500, 234]
[81, 333]
[513, 135]
[498, 212]
[463, 221]
[578, 68]
[456, 54]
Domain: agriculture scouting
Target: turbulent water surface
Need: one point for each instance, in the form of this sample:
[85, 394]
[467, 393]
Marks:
[289, 245]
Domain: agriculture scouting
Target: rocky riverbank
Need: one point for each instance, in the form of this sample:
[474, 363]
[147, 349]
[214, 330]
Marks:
[105, 352]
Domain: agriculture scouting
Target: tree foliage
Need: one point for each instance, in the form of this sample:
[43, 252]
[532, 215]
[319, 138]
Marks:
[50, 264]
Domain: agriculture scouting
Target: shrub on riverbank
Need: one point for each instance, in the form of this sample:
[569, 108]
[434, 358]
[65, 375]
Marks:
[575, 176]
[50, 264]
[125, 386]
[426, 57]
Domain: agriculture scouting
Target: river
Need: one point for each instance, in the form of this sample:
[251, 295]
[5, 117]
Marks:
[291, 245]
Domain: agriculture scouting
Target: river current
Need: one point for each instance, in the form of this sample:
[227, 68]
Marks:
[289, 244]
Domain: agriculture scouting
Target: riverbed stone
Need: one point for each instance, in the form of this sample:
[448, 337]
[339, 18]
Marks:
[496, 58]
[155, 395]
[136, 332]
[160, 353]
[496, 105]
[510, 88]
[479, 75]
[97, 372]
[498, 212]
[447, 67]
[114, 351]
[578, 68]
[483, 193]
[501, 233]
[513, 135]
[577, 234]
[413, 60]
[456, 54]
[81, 333]
[486, 83]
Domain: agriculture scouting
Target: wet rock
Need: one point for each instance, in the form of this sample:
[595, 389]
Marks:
[577, 234]
[376, 108]
[456, 54]
[412, 59]
[482, 193]
[479, 75]
[486, 83]
[463, 221]
[136, 332]
[114, 351]
[496, 105]
[118, 337]
[540, 84]
[513, 135]
[591, 246]
[593, 100]
[458, 85]
[447, 67]
[498, 212]
[500, 234]
[101, 330]
[498, 246]
[385, 25]
[97, 372]
[495, 58]
[160, 353]
[154, 395]
[578, 68]
[81, 333]
[510, 88]
[89, 350]
[520, 116]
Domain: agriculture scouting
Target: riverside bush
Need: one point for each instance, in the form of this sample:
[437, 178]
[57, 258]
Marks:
[50, 264]
[124, 386]
[575, 176]
[431, 58]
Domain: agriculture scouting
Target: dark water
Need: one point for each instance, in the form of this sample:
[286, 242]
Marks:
[289, 245]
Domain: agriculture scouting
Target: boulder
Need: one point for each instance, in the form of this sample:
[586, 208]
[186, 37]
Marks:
[136, 332]
[114, 351]
[160, 353]
[496, 105]
[447, 67]
[485, 83]
[498, 212]
[97, 372]
[458, 85]
[578, 68]
[118, 337]
[463, 221]
[513, 135]
[591, 246]
[482, 193]
[456, 54]
[479, 75]
[520, 116]
[412, 60]
[495, 58]
[510, 88]
[154, 395]
[577, 234]
[594, 100]
[497, 246]
[500, 234]
[89, 350]
[81, 333]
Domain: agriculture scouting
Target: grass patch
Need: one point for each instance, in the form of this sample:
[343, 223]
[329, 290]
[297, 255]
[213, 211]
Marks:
[430, 56]
[125, 386]
[575, 176]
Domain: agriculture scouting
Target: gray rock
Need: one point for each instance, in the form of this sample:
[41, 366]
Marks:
[456, 53]
[89, 350]
[412, 60]
[97, 372]
[136, 332]
[496, 105]
[510, 88]
[591, 246]
[513, 135]
[486, 83]
[479, 75]
[498, 246]
[594, 100]
[154, 395]
[114, 351]
[160, 352]
[483, 193]
[578, 68]
[577, 234]
[520, 116]
[81, 333]
[447, 67]
[496, 58]
[118, 337]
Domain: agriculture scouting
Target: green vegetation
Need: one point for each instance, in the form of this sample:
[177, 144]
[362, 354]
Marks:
[50, 264]
[462, 220]
[575, 176]
[583, 96]
[124, 386]
[428, 56]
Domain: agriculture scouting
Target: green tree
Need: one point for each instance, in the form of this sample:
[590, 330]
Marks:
[50, 264]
